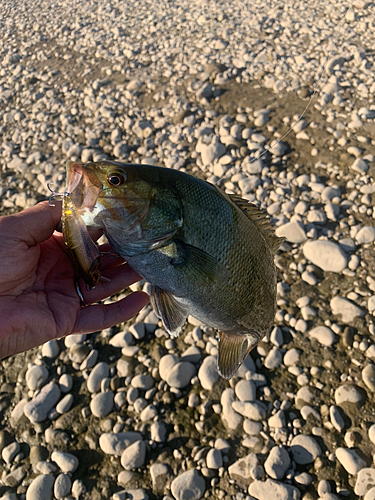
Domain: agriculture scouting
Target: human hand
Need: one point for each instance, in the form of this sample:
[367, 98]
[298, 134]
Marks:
[38, 296]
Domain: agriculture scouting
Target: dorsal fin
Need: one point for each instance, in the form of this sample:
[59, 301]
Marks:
[260, 218]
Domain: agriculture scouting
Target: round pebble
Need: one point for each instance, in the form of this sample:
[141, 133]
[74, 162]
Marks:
[188, 485]
[304, 449]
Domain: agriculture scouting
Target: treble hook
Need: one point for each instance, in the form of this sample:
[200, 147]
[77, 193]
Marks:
[55, 193]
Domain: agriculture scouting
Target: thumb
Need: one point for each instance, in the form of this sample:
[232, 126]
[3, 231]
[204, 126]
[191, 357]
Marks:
[32, 225]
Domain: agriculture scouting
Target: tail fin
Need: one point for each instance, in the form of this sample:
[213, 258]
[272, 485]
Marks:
[233, 349]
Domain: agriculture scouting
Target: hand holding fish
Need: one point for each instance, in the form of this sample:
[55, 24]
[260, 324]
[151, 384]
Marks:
[38, 296]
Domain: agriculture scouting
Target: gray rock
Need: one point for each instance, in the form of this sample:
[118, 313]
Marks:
[273, 489]
[208, 374]
[134, 456]
[336, 418]
[9, 452]
[346, 309]
[65, 383]
[116, 443]
[188, 485]
[241, 470]
[245, 390]
[365, 235]
[359, 166]
[293, 231]
[180, 375]
[291, 357]
[100, 371]
[158, 432]
[231, 419]
[41, 488]
[273, 359]
[371, 433]
[144, 382]
[102, 404]
[159, 476]
[66, 461]
[214, 460]
[254, 410]
[368, 377]
[166, 364]
[62, 487]
[212, 151]
[304, 449]
[350, 460]
[38, 408]
[51, 349]
[65, 404]
[36, 377]
[277, 462]
[325, 254]
[323, 335]
[78, 488]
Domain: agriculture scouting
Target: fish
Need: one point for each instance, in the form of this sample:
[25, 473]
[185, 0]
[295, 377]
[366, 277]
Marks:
[205, 252]
[84, 254]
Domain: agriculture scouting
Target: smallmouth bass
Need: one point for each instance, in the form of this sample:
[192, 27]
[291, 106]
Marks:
[205, 253]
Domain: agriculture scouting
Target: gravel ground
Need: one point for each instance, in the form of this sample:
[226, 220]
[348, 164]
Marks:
[209, 88]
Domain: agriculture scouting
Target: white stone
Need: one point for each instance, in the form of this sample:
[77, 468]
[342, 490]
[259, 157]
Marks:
[325, 254]
[214, 460]
[254, 410]
[365, 481]
[41, 488]
[273, 359]
[304, 449]
[323, 335]
[359, 166]
[100, 371]
[348, 393]
[36, 376]
[245, 390]
[62, 486]
[66, 461]
[208, 373]
[231, 418]
[50, 349]
[134, 456]
[365, 235]
[350, 460]
[277, 462]
[38, 408]
[102, 404]
[116, 443]
[270, 489]
[188, 486]
[346, 309]
[180, 375]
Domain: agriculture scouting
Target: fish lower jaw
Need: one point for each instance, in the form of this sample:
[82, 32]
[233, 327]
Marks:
[89, 216]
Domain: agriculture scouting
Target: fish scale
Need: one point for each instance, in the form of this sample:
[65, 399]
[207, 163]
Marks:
[206, 253]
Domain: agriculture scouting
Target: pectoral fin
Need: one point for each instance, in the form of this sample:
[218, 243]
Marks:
[168, 309]
[233, 349]
[197, 265]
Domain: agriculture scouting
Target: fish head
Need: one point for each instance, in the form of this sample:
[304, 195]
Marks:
[108, 191]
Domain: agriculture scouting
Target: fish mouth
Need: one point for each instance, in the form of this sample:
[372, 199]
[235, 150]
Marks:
[83, 190]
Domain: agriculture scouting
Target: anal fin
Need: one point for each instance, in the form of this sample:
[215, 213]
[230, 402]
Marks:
[233, 349]
[169, 310]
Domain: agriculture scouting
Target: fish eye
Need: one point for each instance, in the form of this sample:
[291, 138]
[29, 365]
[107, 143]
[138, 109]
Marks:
[116, 178]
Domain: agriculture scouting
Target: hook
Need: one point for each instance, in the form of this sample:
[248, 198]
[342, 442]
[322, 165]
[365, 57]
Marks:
[55, 193]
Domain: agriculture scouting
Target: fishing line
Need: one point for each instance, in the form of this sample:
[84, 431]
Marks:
[315, 91]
